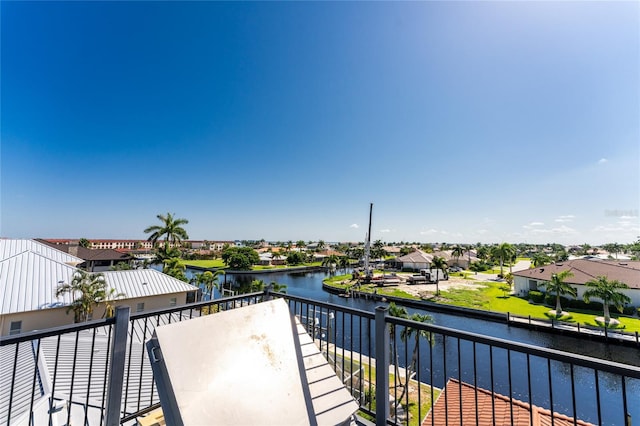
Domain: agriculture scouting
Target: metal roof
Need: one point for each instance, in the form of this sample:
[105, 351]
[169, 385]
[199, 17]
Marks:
[12, 247]
[145, 282]
[28, 282]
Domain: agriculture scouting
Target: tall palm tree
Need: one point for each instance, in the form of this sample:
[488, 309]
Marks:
[209, 280]
[399, 312]
[175, 268]
[344, 262]
[559, 287]
[330, 261]
[539, 258]
[417, 334]
[504, 251]
[456, 252]
[171, 230]
[608, 292]
[87, 290]
[438, 263]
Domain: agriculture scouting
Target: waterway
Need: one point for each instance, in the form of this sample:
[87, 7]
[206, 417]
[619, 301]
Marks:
[309, 285]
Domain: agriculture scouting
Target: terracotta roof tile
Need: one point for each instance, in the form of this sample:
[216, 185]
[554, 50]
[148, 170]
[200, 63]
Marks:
[479, 406]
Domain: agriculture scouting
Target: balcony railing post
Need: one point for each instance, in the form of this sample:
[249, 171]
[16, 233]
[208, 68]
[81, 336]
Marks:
[116, 366]
[382, 366]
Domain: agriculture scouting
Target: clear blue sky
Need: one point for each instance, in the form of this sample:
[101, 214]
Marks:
[460, 121]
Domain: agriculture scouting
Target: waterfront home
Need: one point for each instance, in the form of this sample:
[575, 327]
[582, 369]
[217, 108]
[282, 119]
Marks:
[414, 261]
[29, 279]
[583, 270]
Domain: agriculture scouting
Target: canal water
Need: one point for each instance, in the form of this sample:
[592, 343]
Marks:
[446, 356]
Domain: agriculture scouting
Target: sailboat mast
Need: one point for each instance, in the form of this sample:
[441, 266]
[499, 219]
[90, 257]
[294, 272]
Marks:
[367, 246]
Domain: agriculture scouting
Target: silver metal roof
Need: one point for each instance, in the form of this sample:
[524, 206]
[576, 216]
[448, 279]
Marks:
[12, 247]
[28, 282]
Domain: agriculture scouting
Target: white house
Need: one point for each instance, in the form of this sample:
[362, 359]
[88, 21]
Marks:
[415, 261]
[29, 279]
[583, 270]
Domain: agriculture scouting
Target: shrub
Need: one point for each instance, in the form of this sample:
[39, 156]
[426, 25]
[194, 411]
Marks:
[629, 310]
[536, 296]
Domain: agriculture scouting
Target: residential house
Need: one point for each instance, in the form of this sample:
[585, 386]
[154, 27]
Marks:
[29, 280]
[94, 260]
[583, 270]
[414, 261]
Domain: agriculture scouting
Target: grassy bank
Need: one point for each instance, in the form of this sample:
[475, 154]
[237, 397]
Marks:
[491, 297]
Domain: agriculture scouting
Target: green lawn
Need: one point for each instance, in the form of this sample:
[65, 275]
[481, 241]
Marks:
[492, 298]
[210, 263]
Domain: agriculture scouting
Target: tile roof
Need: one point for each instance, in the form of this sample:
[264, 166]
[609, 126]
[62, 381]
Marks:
[584, 270]
[464, 402]
[417, 256]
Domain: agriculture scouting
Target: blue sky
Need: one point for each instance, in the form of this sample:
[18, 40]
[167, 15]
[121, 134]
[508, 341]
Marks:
[460, 121]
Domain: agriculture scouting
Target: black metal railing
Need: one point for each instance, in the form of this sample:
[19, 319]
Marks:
[399, 371]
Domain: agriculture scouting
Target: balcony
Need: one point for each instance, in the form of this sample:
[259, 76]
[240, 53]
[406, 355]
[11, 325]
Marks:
[398, 371]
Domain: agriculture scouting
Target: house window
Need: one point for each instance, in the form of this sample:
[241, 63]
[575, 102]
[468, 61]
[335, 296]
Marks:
[173, 301]
[533, 285]
[140, 307]
[16, 327]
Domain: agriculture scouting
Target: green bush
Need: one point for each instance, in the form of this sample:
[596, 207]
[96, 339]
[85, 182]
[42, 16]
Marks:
[536, 296]
[629, 310]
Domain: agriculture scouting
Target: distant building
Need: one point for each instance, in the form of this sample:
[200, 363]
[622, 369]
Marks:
[414, 261]
[94, 260]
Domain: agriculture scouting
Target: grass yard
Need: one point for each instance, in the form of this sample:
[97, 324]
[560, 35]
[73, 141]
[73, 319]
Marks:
[492, 298]
[209, 263]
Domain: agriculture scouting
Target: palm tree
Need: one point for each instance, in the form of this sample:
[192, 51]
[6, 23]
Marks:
[175, 268]
[504, 251]
[171, 229]
[209, 280]
[399, 312]
[438, 263]
[417, 334]
[330, 261]
[344, 262]
[87, 290]
[539, 259]
[559, 287]
[456, 252]
[321, 245]
[608, 292]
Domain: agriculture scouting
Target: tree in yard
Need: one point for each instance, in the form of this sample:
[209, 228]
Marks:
[83, 242]
[301, 244]
[259, 285]
[170, 230]
[539, 259]
[608, 292]
[175, 268]
[559, 287]
[209, 280]
[398, 312]
[344, 262]
[321, 245]
[296, 258]
[504, 251]
[456, 252]
[87, 291]
[406, 334]
[438, 263]
[240, 258]
[330, 261]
